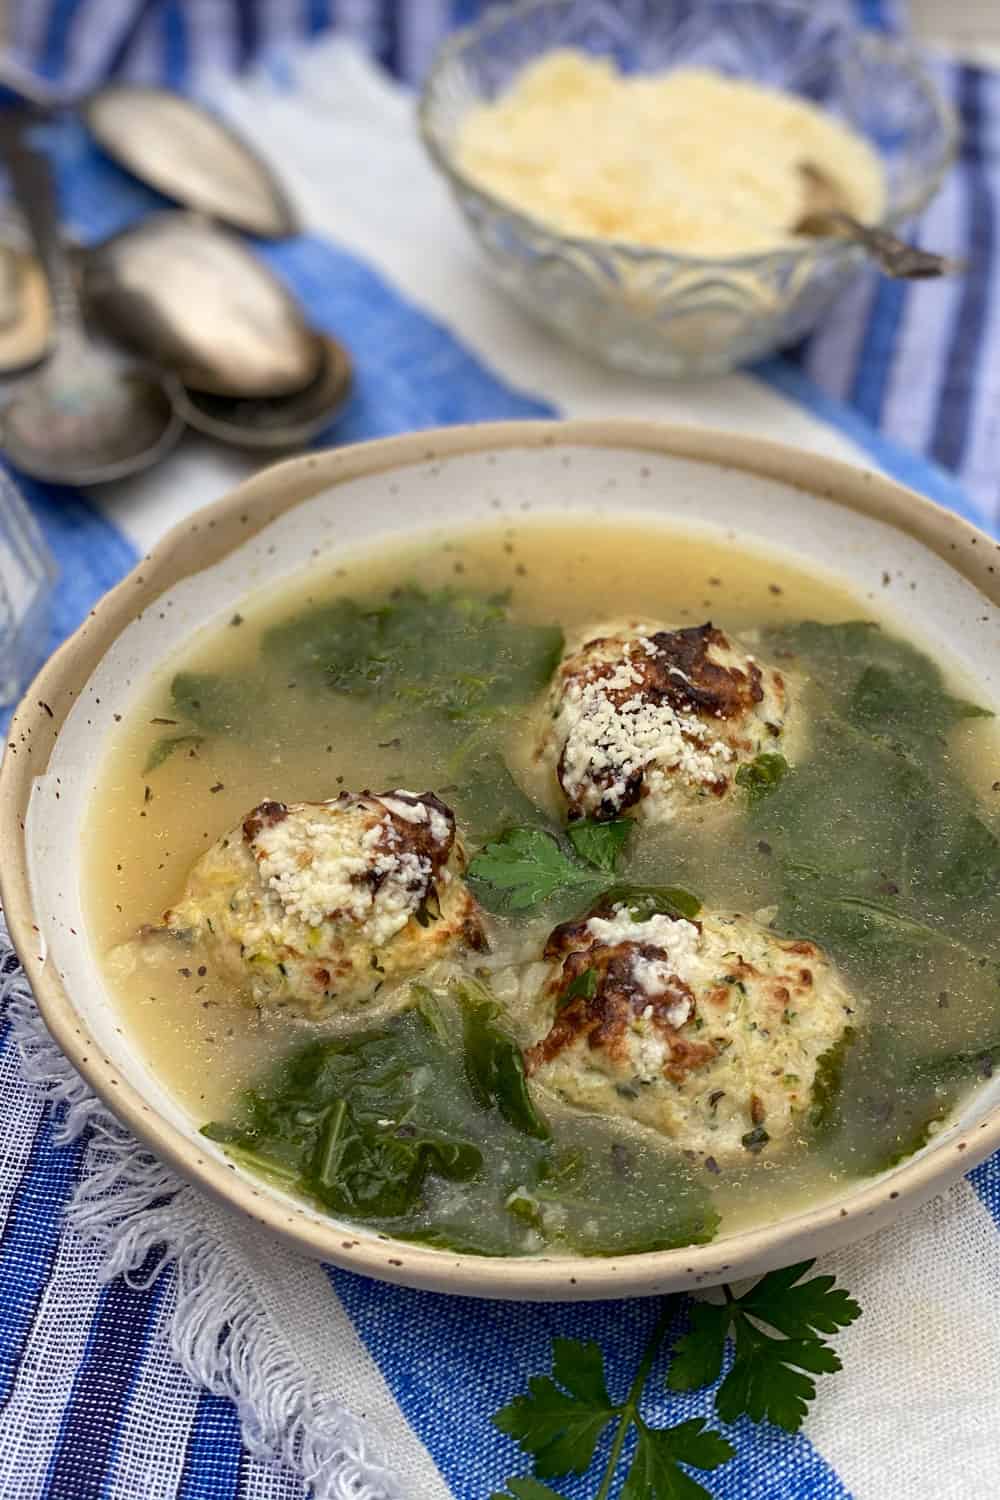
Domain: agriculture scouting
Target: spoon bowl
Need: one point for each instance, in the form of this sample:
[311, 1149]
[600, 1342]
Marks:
[190, 155]
[188, 295]
[87, 415]
[25, 311]
[276, 424]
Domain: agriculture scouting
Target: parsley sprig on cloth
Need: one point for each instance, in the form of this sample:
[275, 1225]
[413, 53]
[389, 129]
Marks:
[778, 1330]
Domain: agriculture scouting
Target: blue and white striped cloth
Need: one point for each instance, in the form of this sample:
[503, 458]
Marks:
[371, 1392]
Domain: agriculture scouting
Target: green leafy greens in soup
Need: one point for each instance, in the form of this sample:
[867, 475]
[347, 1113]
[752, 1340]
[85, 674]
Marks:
[693, 918]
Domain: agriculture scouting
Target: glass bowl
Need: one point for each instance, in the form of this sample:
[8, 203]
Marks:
[657, 311]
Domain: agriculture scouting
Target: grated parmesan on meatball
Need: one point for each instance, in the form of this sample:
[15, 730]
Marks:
[318, 905]
[643, 719]
[709, 1031]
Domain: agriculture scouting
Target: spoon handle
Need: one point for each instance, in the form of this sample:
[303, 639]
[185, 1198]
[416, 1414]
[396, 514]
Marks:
[898, 259]
[893, 256]
[34, 191]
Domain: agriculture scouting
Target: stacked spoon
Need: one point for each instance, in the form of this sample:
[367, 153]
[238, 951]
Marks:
[173, 321]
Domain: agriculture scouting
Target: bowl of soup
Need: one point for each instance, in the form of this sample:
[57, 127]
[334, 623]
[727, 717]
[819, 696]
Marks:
[540, 860]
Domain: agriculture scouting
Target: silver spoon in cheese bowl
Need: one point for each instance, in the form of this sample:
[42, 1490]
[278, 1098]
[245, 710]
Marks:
[825, 213]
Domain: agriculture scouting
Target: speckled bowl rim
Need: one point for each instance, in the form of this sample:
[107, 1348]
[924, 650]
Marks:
[213, 532]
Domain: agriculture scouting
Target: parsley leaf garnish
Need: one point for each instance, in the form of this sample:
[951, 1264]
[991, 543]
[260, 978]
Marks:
[563, 1417]
[697, 1357]
[776, 1329]
[655, 1475]
[527, 1488]
[600, 844]
[560, 1420]
[528, 867]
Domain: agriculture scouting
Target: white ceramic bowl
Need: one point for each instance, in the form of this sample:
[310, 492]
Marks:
[945, 588]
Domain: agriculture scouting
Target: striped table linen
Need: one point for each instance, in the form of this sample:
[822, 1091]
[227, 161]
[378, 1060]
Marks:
[217, 1351]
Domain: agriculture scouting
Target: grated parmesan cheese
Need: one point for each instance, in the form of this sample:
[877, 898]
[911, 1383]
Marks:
[689, 160]
[677, 940]
[317, 866]
[638, 720]
[654, 976]
[764, 1008]
[312, 871]
[604, 736]
[410, 812]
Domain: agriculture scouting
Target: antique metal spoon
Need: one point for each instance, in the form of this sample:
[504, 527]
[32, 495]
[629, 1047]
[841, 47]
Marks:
[190, 296]
[280, 423]
[825, 214]
[25, 310]
[190, 155]
[87, 415]
[171, 143]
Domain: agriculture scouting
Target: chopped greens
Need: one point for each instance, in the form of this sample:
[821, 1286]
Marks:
[829, 1082]
[952, 1067]
[163, 748]
[583, 984]
[454, 655]
[762, 774]
[889, 689]
[433, 1012]
[488, 801]
[869, 844]
[861, 643]
[606, 1168]
[494, 1066]
[908, 1143]
[214, 704]
[353, 1125]
[456, 658]
[375, 1126]
[906, 713]
[883, 856]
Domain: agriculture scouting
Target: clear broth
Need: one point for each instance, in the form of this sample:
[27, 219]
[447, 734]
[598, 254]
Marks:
[147, 827]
